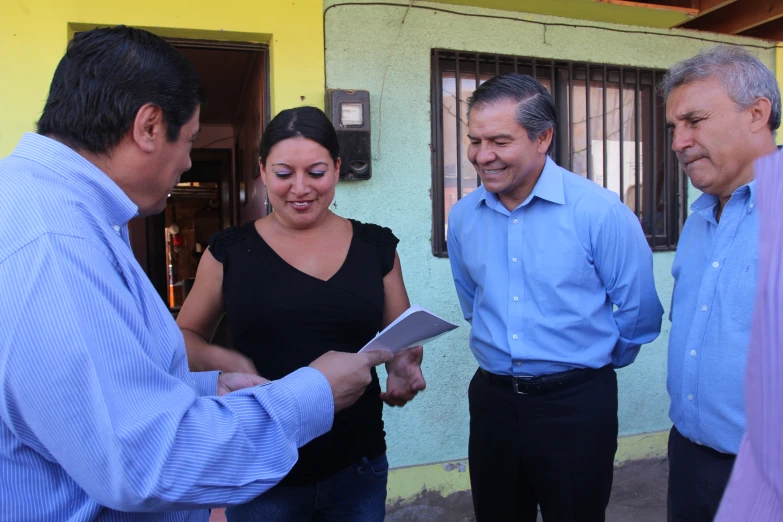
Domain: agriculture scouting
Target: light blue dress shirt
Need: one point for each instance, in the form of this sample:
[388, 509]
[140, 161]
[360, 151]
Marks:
[100, 418]
[715, 272]
[539, 284]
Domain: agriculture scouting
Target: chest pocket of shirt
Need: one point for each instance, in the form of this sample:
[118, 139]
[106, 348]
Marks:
[745, 296]
[557, 281]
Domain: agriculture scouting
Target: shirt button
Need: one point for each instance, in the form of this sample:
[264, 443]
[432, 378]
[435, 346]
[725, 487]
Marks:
[704, 308]
[116, 228]
[715, 264]
[693, 353]
[516, 221]
[515, 336]
[516, 298]
[690, 396]
[514, 259]
[752, 205]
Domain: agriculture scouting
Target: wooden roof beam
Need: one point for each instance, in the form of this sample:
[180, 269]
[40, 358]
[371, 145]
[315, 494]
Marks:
[682, 6]
[770, 31]
[708, 6]
[738, 17]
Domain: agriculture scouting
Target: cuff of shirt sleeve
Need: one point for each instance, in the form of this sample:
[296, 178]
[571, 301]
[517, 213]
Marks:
[313, 395]
[624, 354]
[205, 382]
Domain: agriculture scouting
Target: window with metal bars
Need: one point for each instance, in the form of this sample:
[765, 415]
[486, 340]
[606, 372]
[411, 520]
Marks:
[611, 129]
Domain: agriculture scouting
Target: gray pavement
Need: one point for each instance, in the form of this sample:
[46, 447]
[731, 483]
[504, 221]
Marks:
[638, 495]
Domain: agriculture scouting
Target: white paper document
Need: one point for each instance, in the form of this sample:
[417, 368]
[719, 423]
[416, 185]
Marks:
[414, 327]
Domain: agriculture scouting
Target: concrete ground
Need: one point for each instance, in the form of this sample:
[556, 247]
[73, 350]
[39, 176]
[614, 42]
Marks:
[638, 495]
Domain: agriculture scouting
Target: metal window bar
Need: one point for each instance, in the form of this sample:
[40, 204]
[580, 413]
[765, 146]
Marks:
[553, 88]
[478, 73]
[682, 199]
[438, 200]
[588, 89]
[620, 139]
[637, 139]
[653, 177]
[570, 143]
[605, 155]
[666, 189]
[458, 111]
[478, 82]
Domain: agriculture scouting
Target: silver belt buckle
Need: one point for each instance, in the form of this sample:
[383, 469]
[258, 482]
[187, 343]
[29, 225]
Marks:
[515, 383]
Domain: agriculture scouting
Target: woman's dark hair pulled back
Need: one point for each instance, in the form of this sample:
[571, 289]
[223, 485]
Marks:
[307, 122]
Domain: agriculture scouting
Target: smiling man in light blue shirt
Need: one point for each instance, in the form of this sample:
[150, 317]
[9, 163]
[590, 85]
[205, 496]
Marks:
[723, 107]
[555, 276]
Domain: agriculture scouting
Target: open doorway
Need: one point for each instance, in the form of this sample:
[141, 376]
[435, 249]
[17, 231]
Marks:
[223, 188]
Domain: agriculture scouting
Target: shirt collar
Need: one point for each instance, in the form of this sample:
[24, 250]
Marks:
[80, 174]
[549, 187]
[705, 204]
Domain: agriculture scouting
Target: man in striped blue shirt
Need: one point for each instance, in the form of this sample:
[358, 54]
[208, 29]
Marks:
[100, 417]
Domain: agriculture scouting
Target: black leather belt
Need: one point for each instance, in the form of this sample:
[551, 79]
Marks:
[543, 384]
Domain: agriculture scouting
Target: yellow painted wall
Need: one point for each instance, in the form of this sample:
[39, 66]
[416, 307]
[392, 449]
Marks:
[34, 35]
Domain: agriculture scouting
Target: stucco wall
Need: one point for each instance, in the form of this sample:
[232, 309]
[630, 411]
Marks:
[361, 42]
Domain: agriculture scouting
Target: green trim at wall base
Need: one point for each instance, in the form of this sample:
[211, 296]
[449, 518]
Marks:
[407, 483]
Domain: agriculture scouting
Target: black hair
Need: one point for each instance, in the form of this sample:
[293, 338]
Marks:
[104, 79]
[307, 122]
[536, 112]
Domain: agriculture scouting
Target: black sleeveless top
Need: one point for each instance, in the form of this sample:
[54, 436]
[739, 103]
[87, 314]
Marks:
[283, 319]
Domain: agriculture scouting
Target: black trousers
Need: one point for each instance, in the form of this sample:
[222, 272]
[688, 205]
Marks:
[698, 476]
[555, 451]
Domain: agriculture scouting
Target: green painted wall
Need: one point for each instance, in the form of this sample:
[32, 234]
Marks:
[360, 45]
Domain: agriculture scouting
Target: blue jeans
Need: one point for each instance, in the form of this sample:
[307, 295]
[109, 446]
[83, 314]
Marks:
[355, 494]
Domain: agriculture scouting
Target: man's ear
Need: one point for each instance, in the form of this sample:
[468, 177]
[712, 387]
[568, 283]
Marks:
[148, 127]
[543, 141]
[760, 111]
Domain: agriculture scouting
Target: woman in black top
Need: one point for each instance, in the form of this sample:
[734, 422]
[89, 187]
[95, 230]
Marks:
[294, 285]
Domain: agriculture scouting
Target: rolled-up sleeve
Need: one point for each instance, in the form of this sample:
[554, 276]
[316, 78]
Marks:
[206, 382]
[625, 265]
[83, 384]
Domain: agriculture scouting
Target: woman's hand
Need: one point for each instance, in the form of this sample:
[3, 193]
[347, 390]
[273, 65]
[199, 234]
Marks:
[231, 361]
[229, 382]
[405, 378]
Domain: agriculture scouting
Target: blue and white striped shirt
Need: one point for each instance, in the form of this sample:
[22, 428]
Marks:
[100, 418]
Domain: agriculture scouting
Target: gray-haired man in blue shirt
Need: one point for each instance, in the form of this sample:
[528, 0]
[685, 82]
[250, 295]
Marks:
[541, 257]
[724, 108]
